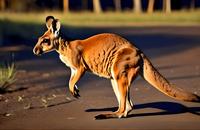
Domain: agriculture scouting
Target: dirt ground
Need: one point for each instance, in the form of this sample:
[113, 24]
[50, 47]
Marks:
[40, 98]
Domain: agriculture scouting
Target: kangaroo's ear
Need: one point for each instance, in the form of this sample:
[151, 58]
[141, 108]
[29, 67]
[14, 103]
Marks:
[49, 21]
[56, 27]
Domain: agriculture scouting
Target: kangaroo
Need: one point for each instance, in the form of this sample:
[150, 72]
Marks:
[110, 56]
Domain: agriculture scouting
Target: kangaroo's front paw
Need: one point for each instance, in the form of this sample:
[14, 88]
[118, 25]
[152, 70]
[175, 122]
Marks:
[75, 92]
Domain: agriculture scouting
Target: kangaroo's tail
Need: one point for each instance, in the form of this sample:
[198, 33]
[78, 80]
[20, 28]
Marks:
[150, 74]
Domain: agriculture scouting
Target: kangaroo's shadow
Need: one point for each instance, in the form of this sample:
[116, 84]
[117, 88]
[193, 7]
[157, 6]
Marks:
[167, 108]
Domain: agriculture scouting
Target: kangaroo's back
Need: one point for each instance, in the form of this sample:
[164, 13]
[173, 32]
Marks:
[100, 50]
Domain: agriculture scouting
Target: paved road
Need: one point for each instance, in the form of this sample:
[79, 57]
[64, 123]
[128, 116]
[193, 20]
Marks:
[175, 51]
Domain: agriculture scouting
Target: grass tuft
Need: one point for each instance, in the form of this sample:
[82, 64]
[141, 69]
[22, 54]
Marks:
[7, 77]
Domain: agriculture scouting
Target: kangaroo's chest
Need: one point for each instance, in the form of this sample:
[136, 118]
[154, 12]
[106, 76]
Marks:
[65, 60]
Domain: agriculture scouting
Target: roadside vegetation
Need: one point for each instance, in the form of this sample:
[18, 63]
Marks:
[183, 17]
[7, 77]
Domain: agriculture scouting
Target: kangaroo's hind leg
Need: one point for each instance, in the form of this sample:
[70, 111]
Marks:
[121, 89]
[121, 93]
[124, 70]
[121, 84]
[129, 104]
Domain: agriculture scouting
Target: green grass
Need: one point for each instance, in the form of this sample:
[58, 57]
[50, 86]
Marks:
[7, 77]
[24, 28]
[109, 18]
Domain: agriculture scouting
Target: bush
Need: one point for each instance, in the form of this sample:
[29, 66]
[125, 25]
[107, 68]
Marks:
[7, 77]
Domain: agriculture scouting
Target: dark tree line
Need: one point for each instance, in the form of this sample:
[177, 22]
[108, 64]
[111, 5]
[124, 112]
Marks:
[65, 5]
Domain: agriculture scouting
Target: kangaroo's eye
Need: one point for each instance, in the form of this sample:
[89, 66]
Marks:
[46, 42]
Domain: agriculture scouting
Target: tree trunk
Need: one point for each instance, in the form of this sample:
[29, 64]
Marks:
[65, 6]
[137, 6]
[167, 6]
[97, 6]
[2, 5]
[117, 5]
[150, 6]
[192, 5]
[85, 4]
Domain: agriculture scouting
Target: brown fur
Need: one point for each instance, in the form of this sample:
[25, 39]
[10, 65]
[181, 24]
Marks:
[112, 57]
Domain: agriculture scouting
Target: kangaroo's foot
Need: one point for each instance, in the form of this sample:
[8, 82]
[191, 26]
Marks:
[110, 115]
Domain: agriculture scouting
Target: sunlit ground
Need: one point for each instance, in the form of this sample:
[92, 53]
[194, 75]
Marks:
[183, 17]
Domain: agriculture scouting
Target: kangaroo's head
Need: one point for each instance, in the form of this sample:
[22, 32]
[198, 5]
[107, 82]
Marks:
[46, 41]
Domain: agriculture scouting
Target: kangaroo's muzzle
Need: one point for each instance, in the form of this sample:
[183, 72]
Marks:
[37, 51]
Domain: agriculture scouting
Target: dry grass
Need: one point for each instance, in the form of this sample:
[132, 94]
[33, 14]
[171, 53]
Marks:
[7, 77]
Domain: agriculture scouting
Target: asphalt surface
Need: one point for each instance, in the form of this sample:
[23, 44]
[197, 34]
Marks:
[174, 51]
